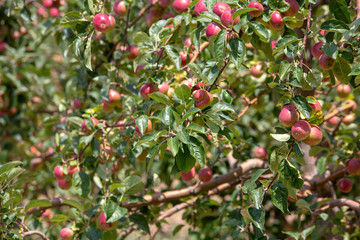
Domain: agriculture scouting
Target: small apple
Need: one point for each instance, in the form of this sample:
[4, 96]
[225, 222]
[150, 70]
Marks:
[314, 137]
[147, 130]
[47, 3]
[66, 234]
[46, 214]
[276, 20]
[212, 29]
[200, 7]
[348, 119]
[147, 89]
[134, 52]
[42, 12]
[103, 224]
[260, 152]
[170, 92]
[257, 5]
[112, 23]
[72, 170]
[205, 174]
[101, 22]
[119, 8]
[227, 18]
[333, 121]
[59, 173]
[316, 50]
[326, 62]
[114, 98]
[301, 130]
[163, 87]
[107, 107]
[353, 166]
[345, 185]
[181, 6]
[202, 98]
[84, 128]
[183, 57]
[54, 12]
[255, 71]
[77, 103]
[221, 7]
[64, 184]
[288, 115]
[189, 175]
[293, 9]
[343, 90]
[316, 107]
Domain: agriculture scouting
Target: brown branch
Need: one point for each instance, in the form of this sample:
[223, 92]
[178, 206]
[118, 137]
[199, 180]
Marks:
[337, 126]
[173, 195]
[220, 72]
[305, 36]
[196, 54]
[358, 9]
[338, 110]
[29, 233]
[334, 176]
[342, 202]
[142, 12]
[55, 203]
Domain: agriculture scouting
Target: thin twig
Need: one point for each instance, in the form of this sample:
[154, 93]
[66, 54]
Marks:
[220, 72]
[166, 43]
[305, 36]
[142, 12]
[29, 233]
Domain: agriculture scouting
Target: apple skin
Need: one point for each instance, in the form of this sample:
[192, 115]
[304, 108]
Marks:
[84, 128]
[164, 3]
[183, 57]
[202, 98]
[227, 19]
[134, 52]
[294, 8]
[170, 92]
[107, 107]
[47, 3]
[260, 152]
[212, 29]
[163, 87]
[147, 89]
[353, 166]
[77, 104]
[314, 137]
[255, 71]
[316, 107]
[103, 224]
[205, 174]
[276, 20]
[333, 121]
[59, 173]
[119, 8]
[237, 19]
[181, 6]
[316, 50]
[348, 119]
[288, 115]
[54, 12]
[200, 7]
[112, 23]
[301, 130]
[66, 234]
[64, 184]
[187, 42]
[221, 7]
[101, 22]
[257, 5]
[72, 170]
[343, 90]
[189, 175]
[114, 98]
[326, 62]
[345, 185]
[46, 214]
[147, 130]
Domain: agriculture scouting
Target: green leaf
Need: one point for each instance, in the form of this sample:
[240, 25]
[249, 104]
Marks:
[183, 92]
[317, 118]
[38, 203]
[75, 204]
[279, 196]
[290, 174]
[274, 158]
[174, 145]
[87, 53]
[284, 69]
[331, 50]
[321, 164]
[59, 218]
[355, 69]
[174, 56]
[295, 235]
[249, 183]
[284, 42]
[257, 217]
[335, 26]
[140, 221]
[237, 51]
[71, 19]
[160, 97]
[341, 70]
[222, 106]
[197, 151]
[142, 123]
[183, 136]
[190, 112]
[133, 184]
[114, 186]
[340, 10]
[81, 183]
[197, 128]
[151, 156]
[307, 231]
[219, 45]
[303, 106]
[8, 166]
[184, 160]
[256, 196]
[213, 73]
[281, 137]
[113, 212]
[260, 30]
[242, 11]
[140, 37]
[195, 69]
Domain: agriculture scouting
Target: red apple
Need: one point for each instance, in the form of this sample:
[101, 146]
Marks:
[205, 174]
[212, 29]
[189, 175]
[333, 121]
[345, 185]
[134, 52]
[181, 6]
[164, 3]
[260, 152]
[147, 89]
[276, 21]
[147, 130]
[59, 173]
[301, 130]
[114, 97]
[221, 7]
[316, 50]
[112, 23]
[84, 128]
[107, 107]
[257, 5]
[66, 234]
[42, 12]
[103, 224]
[353, 166]
[326, 62]
[202, 98]
[183, 57]
[227, 19]
[77, 103]
[316, 107]
[343, 90]
[47, 3]
[288, 115]
[64, 184]
[54, 12]
[255, 71]
[314, 137]
[72, 170]
[119, 8]
[101, 22]
[46, 214]
[187, 42]
[200, 7]
[294, 8]
[163, 87]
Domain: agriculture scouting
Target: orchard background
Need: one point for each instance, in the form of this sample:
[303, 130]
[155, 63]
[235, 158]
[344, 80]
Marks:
[179, 119]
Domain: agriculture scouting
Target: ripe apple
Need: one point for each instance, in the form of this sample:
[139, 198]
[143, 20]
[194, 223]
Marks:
[112, 23]
[301, 130]
[147, 89]
[119, 8]
[227, 19]
[348, 119]
[149, 20]
[72, 170]
[202, 98]
[237, 19]
[46, 214]
[260, 152]
[147, 130]
[205, 174]
[84, 128]
[353, 166]
[42, 12]
[288, 115]
[333, 121]
[164, 3]
[187, 42]
[163, 87]
[103, 224]
[255, 71]
[316, 107]
[183, 57]
[59, 173]
[181, 6]
[221, 7]
[257, 5]
[276, 20]
[293, 9]
[101, 22]
[189, 175]
[66, 234]
[314, 137]
[47, 3]
[77, 103]
[134, 52]
[64, 184]
[212, 29]
[316, 50]
[345, 185]
[114, 98]
[326, 62]
[54, 12]
[200, 7]
[343, 90]
[107, 107]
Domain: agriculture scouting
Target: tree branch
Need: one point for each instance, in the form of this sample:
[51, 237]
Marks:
[29, 233]
[220, 72]
[142, 12]
[338, 110]
[305, 36]
[55, 203]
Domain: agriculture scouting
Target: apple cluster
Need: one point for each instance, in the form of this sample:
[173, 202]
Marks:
[52, 6]
[59, 174]
[205, 174]
[325, 62]
[345, 184]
